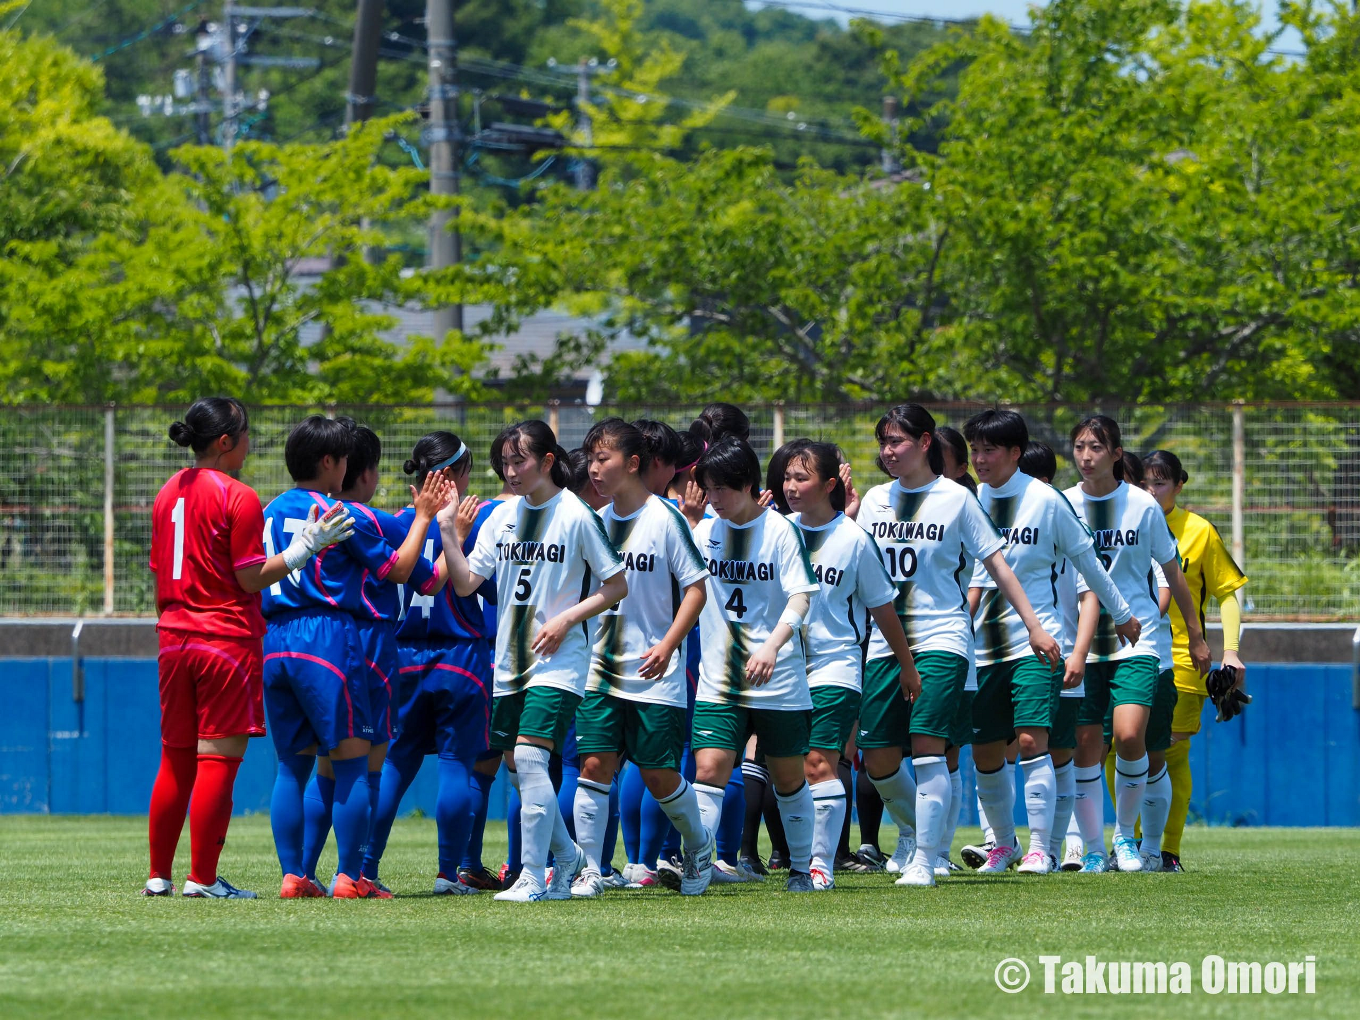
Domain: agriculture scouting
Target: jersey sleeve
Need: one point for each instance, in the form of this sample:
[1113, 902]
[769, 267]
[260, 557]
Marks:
[795, 568]
[1222, 571]
[594, 545]
[872, 583]
[367, 545]
[488, 588]
[1160, 575]
[686, 565]
[977, 530]
[481, 559]
[246, 518]
[1164, 546]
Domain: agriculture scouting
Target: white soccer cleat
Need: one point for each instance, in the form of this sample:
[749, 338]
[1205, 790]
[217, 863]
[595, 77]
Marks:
[1152, 859]
[906, 849]
[219, 890]
[614, 880]
[158, 887]
[822, 878]
[563, 876]
[1072, 856]
[1126, 855]
[696, 868]
[1094, 862]
[670, 873]
[916, 874]
[450, 887]
[526, 889]
[1001, 859]
[1036, 862]
[588, 885]
[944, 867]
[975, 854]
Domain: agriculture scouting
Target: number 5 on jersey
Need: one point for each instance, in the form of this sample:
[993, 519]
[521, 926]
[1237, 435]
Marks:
[523, 589]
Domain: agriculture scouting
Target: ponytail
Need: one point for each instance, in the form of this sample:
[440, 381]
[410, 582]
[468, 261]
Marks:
[207, 420]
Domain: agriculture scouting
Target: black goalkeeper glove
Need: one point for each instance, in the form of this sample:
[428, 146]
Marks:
[1223, 692]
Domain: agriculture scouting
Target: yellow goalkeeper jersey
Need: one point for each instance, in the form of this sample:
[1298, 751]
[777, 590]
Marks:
[1209, 570]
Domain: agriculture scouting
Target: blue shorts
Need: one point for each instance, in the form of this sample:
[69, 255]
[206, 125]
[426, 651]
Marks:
[446, 699]
[316, 685]
[379, 642]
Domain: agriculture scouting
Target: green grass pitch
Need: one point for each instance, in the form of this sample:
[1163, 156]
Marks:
[76, 940]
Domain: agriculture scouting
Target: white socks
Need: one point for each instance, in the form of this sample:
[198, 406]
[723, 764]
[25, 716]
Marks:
[1090, 807]
[796, 809]
[591, 808]
[682, 808]
[1130, 778]
[1156, 810]
[1065, 781]
[996, 790]
[828, 805]
[898, 792]
[1041, 791]
[932, 807]
[710, 805]
[955, 808]
[538, 806]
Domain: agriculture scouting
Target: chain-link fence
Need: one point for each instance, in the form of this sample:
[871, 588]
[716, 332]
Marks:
[1297, 468]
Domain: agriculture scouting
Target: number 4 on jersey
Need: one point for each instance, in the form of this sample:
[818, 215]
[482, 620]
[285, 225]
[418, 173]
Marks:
[736, 605]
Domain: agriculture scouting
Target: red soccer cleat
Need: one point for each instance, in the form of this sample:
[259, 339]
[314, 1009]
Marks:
[347, 888]
[299, 887]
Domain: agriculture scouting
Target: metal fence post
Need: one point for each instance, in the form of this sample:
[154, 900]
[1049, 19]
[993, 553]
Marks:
[778, 436]
[555, 418]
[1239, 480]
[109, 434]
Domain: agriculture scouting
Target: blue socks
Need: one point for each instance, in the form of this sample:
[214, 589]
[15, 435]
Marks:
[397, 776]
[732, 820]
[653, 830]
[316, 812]
[351, 814]
[514, 856]
[631, 789]
[286, 811]
[472, 857]
[454, 812]
[611, 831]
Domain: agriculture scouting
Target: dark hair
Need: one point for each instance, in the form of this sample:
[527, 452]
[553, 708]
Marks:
[535, 439]
[946, 435]
[1133, 467]
[1038, 461]
[774, 471]
[313, 439]
[207, 420]
[580, 469]
[617, 434]
[998, 427]
[663, 442]
[691, 449]
[718, 421]
[915, 421]
[1165, 466]
[434, 448]
[823, 460]
[1106, 431]
[730, 463]
[366, 454]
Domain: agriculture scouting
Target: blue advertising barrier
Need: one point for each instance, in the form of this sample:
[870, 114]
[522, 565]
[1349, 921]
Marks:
[1293, 758]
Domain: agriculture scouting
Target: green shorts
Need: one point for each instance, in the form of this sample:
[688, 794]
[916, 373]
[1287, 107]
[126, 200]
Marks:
[834, 710]
[936, 712]
[1012, 694]
[1159, 719]
[962, 734]
[652, 736]
[1062, 735]
[783, 733]
[1125, 682]
[543, 712]
[884, 713]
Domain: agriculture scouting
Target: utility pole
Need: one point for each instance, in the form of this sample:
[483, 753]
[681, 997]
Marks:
[363, 67]
[203, 41]
[888, 154]
[585, 170]
[446, 248]
[229, 76]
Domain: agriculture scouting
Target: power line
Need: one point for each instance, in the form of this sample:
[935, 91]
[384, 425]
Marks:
[149, 31]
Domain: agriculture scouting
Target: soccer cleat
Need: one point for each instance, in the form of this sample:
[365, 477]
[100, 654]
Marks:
[975, 854]
[1074, 844]
[219, 890]
[1036, 862]
[669, 872]
[478, 878]
[158, 887]
[944, 867]
[822, 879]
[906, 848]
[1094, 863]
[299, 887]
[1171, 862]
[638, 876]
[916, 874]
[1052, 863]
[852, 862]
[872, 856]
[526, 889]
[777, 861]
[1152, 859]
[799, 881]
[445, 886]
[559, 885]
[613, 880]
[360, 888]
[588, 885]
[696, 868]
[1001, 859]
[726, 874]
[755, 866]
[1072, 858]
[1126, 855]
[509, 878]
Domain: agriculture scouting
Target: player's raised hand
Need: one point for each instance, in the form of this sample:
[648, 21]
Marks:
[691, 504]
[851, 493]
[433, 495]
[330, 528]
[766, 497]
[466, 516]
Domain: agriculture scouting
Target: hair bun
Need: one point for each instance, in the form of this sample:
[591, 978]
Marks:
[410, 467]
[1185, 477]
[180, 433]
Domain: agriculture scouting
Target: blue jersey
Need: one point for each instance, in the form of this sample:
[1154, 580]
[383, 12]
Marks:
[335, 577]
[447, 614]
[383, 597]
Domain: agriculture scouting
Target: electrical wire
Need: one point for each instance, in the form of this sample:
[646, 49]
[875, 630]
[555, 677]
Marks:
[147, 32]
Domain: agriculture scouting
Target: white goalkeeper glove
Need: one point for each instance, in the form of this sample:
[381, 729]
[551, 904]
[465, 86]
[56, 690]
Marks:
[333, 527]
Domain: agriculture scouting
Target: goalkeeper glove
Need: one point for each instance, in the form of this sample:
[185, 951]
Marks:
[333, 527]
[1223, 692]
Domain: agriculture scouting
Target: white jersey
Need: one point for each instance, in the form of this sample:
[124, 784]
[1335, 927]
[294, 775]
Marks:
[1068, 608]
[752, 571]
[661, 560]
[1164, 631]
[848, 565]
[927, 536]
[1131, 534]
[1041, 531]
[545, 560]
